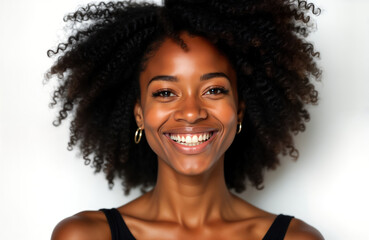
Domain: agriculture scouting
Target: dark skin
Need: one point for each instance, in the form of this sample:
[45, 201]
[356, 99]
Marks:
[190, 94]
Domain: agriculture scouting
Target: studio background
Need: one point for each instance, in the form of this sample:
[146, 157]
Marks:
[41, 182]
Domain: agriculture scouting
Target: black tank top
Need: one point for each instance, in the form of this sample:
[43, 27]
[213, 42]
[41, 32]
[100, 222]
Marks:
[120, 231]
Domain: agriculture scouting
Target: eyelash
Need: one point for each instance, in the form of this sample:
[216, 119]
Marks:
[220, 90]
[165, 93]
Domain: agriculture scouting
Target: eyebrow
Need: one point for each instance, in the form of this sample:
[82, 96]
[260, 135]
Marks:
[208, 76]
[204, 77]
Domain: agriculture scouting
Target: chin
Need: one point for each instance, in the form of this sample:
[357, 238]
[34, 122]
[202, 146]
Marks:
[193, 167]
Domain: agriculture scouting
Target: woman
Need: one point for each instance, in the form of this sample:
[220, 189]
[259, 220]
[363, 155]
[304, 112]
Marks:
[215, 87]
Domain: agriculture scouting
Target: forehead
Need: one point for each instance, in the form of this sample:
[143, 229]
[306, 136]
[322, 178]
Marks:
[201, 56]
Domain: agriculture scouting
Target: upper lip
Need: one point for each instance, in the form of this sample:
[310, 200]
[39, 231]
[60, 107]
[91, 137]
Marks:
[190, 130]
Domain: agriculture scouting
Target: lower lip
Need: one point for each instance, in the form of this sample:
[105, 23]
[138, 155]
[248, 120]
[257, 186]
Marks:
[192, 149]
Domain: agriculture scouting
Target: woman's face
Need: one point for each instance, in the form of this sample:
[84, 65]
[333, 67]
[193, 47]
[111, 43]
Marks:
[188, 106]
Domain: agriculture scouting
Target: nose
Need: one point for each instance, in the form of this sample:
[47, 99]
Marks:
[190, 110]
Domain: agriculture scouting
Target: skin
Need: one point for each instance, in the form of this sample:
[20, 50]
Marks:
[186, 93]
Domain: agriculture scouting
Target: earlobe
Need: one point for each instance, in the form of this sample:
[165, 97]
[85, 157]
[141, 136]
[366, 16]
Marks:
[138, 115]
[241, 110]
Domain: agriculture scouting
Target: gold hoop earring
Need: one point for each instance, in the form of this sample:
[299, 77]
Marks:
[138, 135]
[239, 126]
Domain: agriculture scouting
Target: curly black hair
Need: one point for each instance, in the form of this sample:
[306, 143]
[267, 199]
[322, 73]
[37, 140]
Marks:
[98, 67]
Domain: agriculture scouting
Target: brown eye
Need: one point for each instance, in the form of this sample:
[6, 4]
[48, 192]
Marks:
[216, 91]
[164, 94]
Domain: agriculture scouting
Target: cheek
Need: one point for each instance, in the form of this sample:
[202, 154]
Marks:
[154, 117]
[226, 113]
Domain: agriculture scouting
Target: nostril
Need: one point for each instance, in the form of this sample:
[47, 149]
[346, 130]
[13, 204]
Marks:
[191, 111]
[191, 115]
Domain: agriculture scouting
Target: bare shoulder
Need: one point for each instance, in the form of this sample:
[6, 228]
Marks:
[302, 231]
[91, 225]
[261, 221]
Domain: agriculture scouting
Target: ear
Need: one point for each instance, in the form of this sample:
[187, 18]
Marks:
[241, 110]
[138, 115]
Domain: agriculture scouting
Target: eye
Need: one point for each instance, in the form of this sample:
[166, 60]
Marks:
[163, 94]
[216, 91]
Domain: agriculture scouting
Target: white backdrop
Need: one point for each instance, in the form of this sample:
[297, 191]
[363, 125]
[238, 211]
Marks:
[41, 182]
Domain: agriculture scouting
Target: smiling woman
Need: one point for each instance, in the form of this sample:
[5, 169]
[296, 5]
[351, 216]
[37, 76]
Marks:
[187, 96]
[191, 98]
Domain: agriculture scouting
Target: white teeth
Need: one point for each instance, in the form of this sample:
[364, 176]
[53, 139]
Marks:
[191, 141]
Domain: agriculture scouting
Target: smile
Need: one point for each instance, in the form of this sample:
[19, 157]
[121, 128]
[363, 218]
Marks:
[190, 139]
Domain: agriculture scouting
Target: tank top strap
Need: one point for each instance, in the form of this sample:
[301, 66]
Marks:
[120, 231]
[279, 227]
[118, 228]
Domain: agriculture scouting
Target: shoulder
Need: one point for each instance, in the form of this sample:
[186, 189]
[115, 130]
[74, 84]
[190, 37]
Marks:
[91, 225]
[302, 231]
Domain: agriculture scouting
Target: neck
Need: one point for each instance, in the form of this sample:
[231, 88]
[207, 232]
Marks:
[191, 200]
